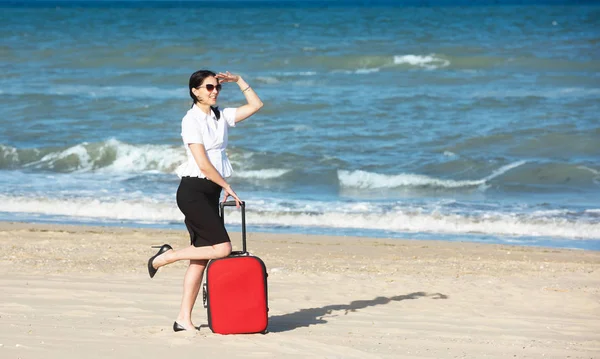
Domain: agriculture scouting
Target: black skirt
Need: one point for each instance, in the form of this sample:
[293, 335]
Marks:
[198, 200]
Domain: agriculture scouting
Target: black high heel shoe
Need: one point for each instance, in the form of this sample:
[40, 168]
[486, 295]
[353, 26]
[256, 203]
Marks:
[151, 270]
[178, 327]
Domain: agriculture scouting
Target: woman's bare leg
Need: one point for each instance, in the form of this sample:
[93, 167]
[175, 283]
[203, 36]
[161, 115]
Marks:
[198, 257]
[220, 250]
[191, 287]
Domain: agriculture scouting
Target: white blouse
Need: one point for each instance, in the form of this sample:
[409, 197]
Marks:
[199, 127]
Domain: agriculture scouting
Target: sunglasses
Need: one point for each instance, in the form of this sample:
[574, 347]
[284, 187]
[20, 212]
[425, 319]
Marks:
[211, 87]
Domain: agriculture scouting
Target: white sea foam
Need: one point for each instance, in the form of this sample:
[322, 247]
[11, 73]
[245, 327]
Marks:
[9, 153]
[366, 71]
[139, 158]
[549, 213]
[261, 174]
[430, 62]
[435, 223]
[78, 151]
[502, 170]
[146, 211]
[355, 215]
[128, 157]
[368, 180]
[362, 71]
[596, 173]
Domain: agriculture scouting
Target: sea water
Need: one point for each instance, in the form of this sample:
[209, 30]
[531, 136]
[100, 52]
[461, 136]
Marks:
[435, 121]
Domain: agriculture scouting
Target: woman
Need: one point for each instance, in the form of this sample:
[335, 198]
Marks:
[204, 134]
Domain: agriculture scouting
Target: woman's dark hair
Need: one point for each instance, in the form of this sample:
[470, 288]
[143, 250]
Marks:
[196, 80]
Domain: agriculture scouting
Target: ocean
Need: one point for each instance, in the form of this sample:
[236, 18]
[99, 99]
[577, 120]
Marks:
[422, 121]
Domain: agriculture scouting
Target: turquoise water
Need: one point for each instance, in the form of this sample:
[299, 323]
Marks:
[476, 123]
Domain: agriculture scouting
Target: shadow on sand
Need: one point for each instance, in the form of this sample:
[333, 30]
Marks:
[311, 316]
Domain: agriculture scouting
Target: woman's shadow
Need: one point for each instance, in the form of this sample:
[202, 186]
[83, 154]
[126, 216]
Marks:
[311, 316]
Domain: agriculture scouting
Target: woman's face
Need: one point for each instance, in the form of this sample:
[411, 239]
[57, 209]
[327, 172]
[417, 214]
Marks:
[208, 92]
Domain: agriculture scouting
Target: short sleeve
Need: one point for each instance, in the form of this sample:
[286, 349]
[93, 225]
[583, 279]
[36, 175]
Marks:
[191, 131]
[229, 116]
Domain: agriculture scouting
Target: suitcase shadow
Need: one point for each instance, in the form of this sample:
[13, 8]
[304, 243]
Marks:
[313, 316]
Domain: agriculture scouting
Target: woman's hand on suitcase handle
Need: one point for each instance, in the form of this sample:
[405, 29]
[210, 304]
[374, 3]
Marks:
[230, 192]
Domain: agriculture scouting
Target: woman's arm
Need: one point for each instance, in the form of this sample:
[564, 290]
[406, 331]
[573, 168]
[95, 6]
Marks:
[207, 168]
[254, 103]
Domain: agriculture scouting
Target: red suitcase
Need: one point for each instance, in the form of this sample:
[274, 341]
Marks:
[235, 290]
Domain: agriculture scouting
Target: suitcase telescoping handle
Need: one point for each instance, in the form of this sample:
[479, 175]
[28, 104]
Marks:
[243, 206]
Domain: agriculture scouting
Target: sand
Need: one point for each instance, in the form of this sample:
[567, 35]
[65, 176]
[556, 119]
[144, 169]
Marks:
[77, 291]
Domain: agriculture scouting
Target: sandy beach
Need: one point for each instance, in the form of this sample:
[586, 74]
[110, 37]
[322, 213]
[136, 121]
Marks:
[76, 291]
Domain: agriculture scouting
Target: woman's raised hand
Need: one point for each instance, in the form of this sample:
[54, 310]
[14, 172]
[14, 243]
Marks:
[227, 77]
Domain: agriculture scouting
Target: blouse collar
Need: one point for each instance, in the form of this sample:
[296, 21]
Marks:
[199, 112]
